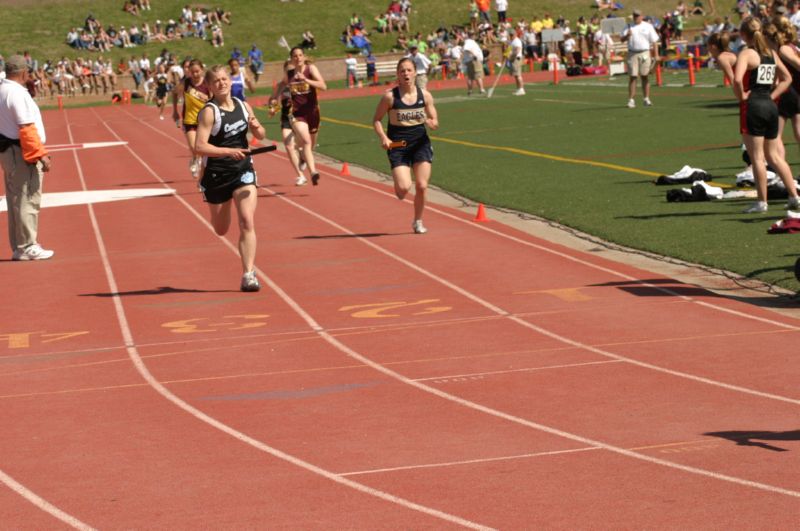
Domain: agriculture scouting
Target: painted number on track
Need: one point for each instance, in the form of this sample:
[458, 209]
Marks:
[202, 325]
[384, 310]
[24, 339]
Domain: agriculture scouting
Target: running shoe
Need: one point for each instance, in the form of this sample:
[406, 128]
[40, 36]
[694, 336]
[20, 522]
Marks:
[32, 252]
[301, 180]
[647, 102]
[418, 227]
[756, 208]
[519, 92]
[315, 178]
[631, 103]
[194, 167]
[250, 282]
[793, 204]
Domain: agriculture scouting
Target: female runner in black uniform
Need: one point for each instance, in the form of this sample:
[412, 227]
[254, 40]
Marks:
[757, 70]
[410, 109]
[229, 175]
[782, 35]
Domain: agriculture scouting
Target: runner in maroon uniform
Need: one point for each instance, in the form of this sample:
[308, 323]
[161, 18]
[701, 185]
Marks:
[303, 80]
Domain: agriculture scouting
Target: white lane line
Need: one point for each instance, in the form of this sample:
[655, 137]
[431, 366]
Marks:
[211, 421]
[41, 503]
[456, 399]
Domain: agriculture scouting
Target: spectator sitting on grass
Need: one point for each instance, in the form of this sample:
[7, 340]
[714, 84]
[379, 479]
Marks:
[382, 21]
[219, 16]
[217, 38]
[130, 7]
[309, 42]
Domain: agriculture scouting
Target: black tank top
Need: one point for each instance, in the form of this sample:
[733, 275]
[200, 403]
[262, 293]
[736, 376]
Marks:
[760, 80]
[406, 122]
[230, 131]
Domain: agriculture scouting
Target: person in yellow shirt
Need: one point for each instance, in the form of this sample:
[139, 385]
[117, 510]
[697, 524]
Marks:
[536, 26]
[547, 21]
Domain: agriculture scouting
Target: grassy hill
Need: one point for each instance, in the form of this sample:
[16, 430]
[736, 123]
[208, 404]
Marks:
[41, 25]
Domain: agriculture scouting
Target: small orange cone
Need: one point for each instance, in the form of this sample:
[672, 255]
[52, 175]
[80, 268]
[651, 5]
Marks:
[481, 216]
[345, 172]
[254, 142]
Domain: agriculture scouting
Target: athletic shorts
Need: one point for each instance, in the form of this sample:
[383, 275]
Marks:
[639, 64]
[218, 189]
[189, 127]
[759, 117]
[474, 70]
[417, 151]
[312, 119]
[789, 104]
[516, 67]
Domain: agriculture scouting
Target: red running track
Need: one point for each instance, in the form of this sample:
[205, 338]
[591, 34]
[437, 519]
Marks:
[475, 376]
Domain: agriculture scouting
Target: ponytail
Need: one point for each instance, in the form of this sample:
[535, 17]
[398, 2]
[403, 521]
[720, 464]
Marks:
[751, 31]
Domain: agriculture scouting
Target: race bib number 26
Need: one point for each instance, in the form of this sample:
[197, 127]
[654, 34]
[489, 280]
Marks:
[765, 74]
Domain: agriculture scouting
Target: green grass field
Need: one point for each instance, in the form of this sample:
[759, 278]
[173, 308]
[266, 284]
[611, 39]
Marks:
[41, 25]
[545, 154]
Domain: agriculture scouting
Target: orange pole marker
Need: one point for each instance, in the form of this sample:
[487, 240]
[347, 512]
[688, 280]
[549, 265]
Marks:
[555, 66]
[725, 81]
[691, 70]
[659, 81]
[60, 103]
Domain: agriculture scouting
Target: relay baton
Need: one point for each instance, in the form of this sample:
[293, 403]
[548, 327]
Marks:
[262, 149]
[397, 144]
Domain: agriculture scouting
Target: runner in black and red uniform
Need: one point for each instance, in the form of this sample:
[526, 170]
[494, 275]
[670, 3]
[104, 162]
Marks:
[304, 80]
[760, 77]
[781, 36]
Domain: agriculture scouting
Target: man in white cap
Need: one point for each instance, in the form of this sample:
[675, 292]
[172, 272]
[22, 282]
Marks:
[642, 39]
[24, 160]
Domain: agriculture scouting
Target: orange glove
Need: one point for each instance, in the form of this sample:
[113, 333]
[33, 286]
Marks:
[31, 144]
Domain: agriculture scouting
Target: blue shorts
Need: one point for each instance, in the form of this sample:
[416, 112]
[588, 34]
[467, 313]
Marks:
[415, 151]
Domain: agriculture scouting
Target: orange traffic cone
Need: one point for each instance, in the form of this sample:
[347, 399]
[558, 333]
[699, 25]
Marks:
[345, 172]
[481, 215]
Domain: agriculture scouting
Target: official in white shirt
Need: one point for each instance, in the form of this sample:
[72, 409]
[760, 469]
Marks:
[24, 160]
[422, 65]
[642, 39]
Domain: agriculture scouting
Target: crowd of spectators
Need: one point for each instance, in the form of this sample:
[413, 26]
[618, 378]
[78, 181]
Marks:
[200, 22]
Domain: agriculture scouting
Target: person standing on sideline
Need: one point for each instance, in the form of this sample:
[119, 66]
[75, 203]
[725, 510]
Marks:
[515, 62]
[501, 6]
[229, 177]
[642, 39]
[24, 160]
[472, 58]
[422, 65]
[239, 80]
[759, 79]
[410, 109]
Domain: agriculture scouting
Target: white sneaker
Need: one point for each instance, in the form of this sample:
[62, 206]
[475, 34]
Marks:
[301, 180]
[250, 282]
[418, 227]
[160, 117]
[631, 104]
[519, 92]
[647, 102]
[32, 252]
[756, 208]
[194, 167]
[793, 204]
